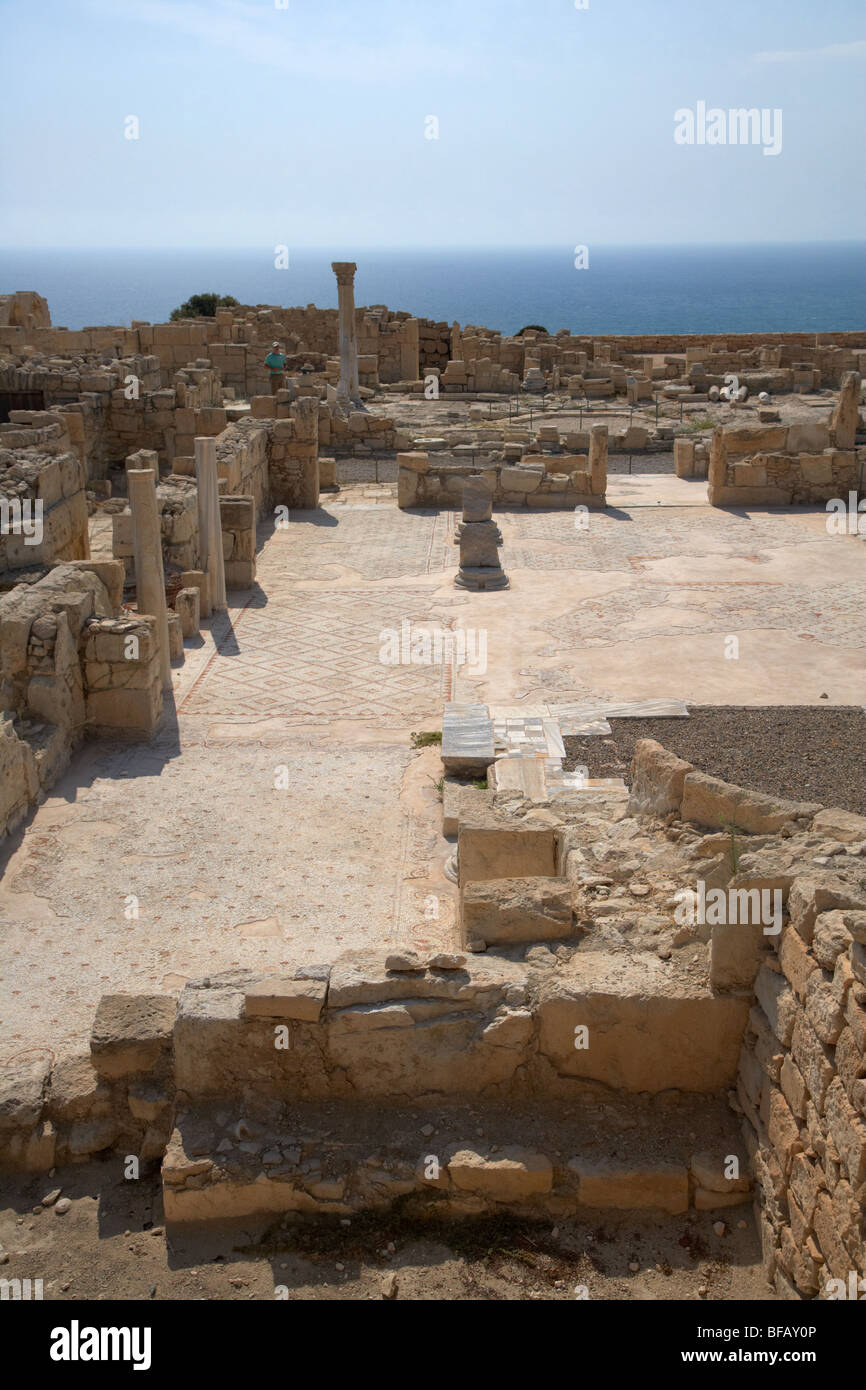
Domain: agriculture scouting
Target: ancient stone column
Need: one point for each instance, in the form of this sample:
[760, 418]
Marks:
[210, 536]
[598, 446]
[348, 391]
[149, 573]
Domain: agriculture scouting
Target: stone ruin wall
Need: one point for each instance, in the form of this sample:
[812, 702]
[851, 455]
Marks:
[778, 1023]
[65, 668]
[44, 479]
[780, 465]
[550, 481]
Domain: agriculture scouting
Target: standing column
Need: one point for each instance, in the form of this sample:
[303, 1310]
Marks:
[149, 574]
[210, 535]
[348, 391]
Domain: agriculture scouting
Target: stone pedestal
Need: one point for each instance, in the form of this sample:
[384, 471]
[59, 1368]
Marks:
[480, 567]
[348, 389]
[210, 536]
[149, 573]
[477, 507]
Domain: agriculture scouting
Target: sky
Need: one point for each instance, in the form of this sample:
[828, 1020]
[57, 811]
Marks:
[306, 122]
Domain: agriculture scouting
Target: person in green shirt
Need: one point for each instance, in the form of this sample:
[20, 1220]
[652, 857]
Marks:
[276, 365]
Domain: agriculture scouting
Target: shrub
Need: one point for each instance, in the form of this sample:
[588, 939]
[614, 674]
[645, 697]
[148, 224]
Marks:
[203, 306]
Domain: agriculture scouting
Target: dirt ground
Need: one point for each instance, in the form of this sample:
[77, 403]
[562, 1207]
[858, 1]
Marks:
[111, 1244]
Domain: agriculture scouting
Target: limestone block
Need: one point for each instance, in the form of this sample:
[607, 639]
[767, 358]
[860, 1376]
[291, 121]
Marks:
[510, 1175]
[657, 779]
[479, 547]
[606, 1183]
[645, 1030]
[708, 1172]
[796, 962]
[755, 439]
[831, 939]
[517, 909]
[848, 1130]
[240, 574]
[458, 801]
[186, 606]
[286, 998]
[684, 458]
[521, 480]
[810, 896]
[812, 437]
[111, 574]
[175, 637]
[749, 475]
[493, 848]
[76, 1090]
[813, 1060]
[92, 1136]
[131, 1033]
[19, 778]
[736, 951]
[709, 801]
[23, 1084]
[198, 579]
[477, 500]
[327, 471]
[415, 462]
[845, 418]
[779, 1003]
[840, 825]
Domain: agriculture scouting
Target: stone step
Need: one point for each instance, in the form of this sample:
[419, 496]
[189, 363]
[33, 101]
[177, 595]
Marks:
[467, 738]
[511, 910]
[613, 1154]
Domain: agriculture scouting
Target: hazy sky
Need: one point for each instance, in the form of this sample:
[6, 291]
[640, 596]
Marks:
[304, 123]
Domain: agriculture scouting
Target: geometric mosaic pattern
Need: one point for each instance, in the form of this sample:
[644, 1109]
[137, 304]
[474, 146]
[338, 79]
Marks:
[833, 615]
[616, 542]
[316, 656]
[377, 542]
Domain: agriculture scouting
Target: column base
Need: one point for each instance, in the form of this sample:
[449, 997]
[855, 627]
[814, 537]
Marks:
[480, 579]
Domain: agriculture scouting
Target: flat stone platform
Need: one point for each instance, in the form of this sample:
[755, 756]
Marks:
[282, 816]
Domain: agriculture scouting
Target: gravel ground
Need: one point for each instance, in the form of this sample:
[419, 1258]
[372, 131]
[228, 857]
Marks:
[797, 751]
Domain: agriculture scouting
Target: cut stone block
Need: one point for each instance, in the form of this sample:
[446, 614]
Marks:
[131, 1032]
[512, 1174]
[645, 1031]
[187, 607]
[467, 738]
[517, 909]
[458, 801]
[709, 801]
[657, 779]
[609, 1183]
[491, 847]
[281, 998]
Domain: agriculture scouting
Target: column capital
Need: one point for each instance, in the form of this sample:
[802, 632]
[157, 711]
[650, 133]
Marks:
[344, 271]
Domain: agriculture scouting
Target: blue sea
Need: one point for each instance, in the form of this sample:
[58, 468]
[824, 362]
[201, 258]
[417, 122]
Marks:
[682, 289]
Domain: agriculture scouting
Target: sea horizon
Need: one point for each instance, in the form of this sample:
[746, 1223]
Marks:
[741, 287]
